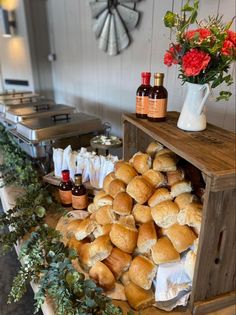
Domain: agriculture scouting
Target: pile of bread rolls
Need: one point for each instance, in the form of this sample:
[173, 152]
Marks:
[146, 215]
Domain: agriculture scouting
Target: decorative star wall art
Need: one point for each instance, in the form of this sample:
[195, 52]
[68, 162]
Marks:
[112, 22]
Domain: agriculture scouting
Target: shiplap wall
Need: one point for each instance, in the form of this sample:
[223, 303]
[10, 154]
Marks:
[86, 77]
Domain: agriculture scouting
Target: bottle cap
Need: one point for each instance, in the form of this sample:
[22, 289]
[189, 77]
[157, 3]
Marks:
[78, 179]
[65, 175]
[146, 74]
[159, 75]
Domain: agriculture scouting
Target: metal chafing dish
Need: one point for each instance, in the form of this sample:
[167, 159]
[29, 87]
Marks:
[42, 109]
[21, 100]
[13, 93]
[37, 136]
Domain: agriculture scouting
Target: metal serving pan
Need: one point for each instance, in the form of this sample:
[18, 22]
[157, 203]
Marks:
[16, 96]
[58, 127]
[18, 113]
[4, 105]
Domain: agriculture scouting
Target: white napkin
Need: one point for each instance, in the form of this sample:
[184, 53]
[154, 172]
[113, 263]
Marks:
[172, 285]
[72, 164]
[66, 157]
[94, 170]
[57, 160]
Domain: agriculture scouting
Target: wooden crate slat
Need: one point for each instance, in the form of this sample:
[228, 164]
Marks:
[212, 150]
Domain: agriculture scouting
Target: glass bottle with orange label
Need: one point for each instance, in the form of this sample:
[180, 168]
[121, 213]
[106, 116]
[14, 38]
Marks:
[65, 187]
[157, 104]
[142, 95]
[79, 194]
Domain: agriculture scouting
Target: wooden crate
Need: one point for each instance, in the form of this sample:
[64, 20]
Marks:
[212, 151]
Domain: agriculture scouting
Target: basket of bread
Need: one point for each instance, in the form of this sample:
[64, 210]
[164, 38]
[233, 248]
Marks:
[146, 215]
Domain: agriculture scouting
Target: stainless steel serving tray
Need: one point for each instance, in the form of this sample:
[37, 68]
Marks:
[48, 128]
[17, 96]
[4, 105]
[18, 113]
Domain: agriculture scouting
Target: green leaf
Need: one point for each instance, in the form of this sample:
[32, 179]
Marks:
[170, 19]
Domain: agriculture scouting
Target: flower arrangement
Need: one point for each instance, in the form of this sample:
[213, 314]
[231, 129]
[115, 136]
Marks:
[204, 54]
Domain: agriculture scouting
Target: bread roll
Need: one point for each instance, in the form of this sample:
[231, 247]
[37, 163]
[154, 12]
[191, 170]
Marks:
[127, 220]
[142, 214]
[102, 275]
[137, 297]
[147, 237]
[165, 151]
[191, 215]
[107, 180]
[181, 236]
[139, 189]
[119, 163]
[142, 272]
[71, 227]
[91, 208]
[155, 178]
[161, 194]
[75, 244]
[118, 262]
[84, 228]
[116, 186]
[125, 173]
[123, 237]
[165, 213]
[125, 278]
[132, 159]
[122, 203]
[142, 163]
[174, 176]
[164, 163]
[153, 148]
[98, 250]
[180, 188]
[102, 199]
[164, 252]
[102, 230]
[184, 199]
[189, 264]
[105, 215]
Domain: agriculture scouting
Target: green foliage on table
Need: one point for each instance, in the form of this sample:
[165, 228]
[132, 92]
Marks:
[17, 168]
[45, 260]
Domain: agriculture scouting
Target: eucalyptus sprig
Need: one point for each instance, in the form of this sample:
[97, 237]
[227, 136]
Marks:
[46, 260]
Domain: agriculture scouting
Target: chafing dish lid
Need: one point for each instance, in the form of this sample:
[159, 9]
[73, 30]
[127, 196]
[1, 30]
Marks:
[17, 96]
[46, 128]
[4, 105]
[18, 113]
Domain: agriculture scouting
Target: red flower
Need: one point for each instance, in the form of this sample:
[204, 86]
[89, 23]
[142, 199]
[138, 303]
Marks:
[231, 36]
[171, 56]
[194, 61]
[202, 34]
[228, 48]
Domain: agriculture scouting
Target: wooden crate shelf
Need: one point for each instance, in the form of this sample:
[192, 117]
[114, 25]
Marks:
[212, 151]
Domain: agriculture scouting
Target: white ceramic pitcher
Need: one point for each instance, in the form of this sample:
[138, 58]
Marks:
[192, 117]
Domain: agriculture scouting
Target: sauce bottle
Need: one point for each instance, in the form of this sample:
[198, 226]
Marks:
[79, 194]
[142, 95]
[157, 104]
[65, 187]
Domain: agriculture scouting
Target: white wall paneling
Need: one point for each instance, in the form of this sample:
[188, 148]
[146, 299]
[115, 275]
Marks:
[86, 77]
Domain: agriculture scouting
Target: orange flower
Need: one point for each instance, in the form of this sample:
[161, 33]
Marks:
[199, 33]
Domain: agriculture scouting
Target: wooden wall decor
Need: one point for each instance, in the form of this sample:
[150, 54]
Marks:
[112, 22]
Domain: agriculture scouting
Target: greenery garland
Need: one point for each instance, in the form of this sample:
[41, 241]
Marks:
[44, 257]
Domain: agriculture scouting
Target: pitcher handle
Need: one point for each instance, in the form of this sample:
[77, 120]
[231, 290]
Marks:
[207, 92]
